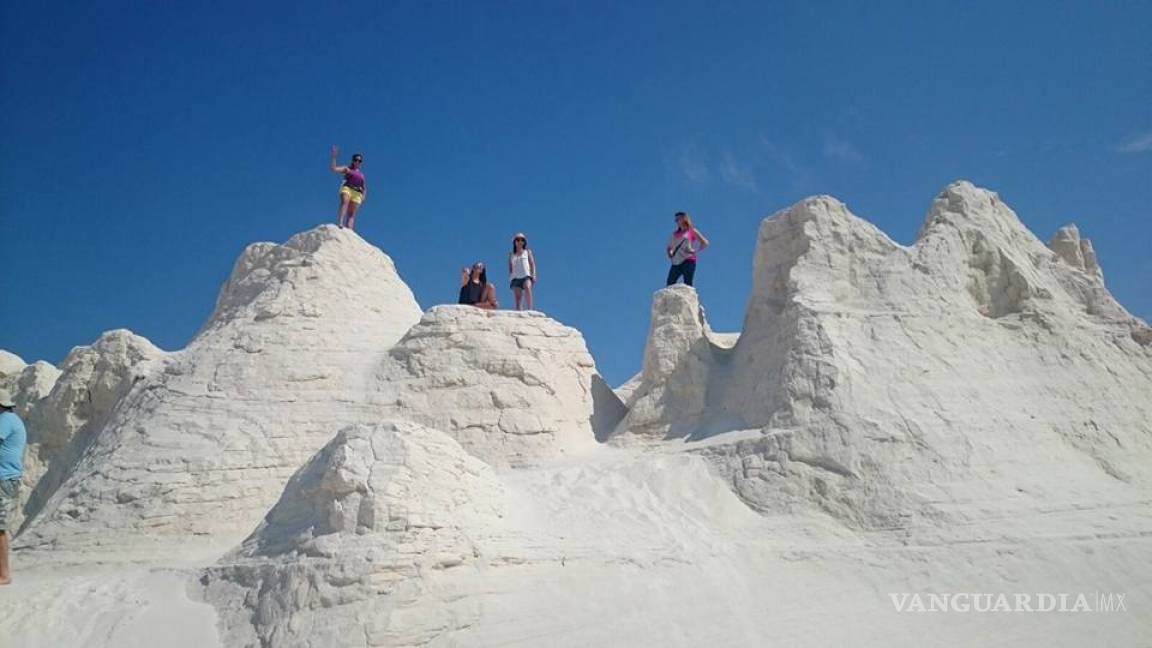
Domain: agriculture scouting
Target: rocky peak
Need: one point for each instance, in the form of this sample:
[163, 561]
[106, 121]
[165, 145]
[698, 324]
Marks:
[1075, 251]
[326, 272]
[679, 357]
[10, 364]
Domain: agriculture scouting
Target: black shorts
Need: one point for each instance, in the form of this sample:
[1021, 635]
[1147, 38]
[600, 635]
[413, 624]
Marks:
[519, 283]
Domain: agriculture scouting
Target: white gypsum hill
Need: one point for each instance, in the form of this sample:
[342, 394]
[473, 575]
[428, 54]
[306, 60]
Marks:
[200, 444]
[323, 465]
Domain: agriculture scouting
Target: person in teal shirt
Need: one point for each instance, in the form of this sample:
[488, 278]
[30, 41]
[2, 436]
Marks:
[12, 440]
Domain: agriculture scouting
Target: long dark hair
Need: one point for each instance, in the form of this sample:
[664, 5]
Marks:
[523, 238]
[483, 275]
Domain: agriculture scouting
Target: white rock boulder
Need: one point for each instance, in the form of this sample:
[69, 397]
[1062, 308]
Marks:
[34, 383]
[27, 383]
[357, 533]
[1075, 251]
[10, 365]
[512, 387]
[682, 358]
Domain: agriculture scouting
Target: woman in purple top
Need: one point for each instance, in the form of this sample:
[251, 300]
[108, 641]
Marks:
[354, 189]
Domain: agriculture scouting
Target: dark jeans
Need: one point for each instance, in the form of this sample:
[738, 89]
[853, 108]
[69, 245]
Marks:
[686, 270]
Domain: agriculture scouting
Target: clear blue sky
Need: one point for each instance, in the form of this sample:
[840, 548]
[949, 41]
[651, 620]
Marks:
[143, 147]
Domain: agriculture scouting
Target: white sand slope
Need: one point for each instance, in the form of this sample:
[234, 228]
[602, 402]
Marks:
[126, 606]
[646, 549]
[322, 466]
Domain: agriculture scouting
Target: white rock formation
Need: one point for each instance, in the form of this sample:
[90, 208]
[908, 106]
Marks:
[198, 449]
[92, 380]
[671, 393]
[34, 383]
[1075, 251]
[348, 542]
[881, 383]
[626, 390]
[965, 414]
[393, 535]
[10, 365]
[512, 387]
[27, 383]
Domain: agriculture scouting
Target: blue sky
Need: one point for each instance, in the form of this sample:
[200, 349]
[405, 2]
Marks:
[142, 147]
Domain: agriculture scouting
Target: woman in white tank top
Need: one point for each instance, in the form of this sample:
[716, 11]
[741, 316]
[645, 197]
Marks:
[522, 271]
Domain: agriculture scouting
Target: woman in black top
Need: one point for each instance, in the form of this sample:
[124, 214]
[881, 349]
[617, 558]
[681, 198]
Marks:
[475, 289]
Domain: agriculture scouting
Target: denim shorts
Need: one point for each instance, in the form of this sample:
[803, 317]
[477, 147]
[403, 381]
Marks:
[9, 500]
[519, 283]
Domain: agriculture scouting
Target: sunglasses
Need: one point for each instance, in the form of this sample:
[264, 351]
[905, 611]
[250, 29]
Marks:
[357, 159]
[521, 239]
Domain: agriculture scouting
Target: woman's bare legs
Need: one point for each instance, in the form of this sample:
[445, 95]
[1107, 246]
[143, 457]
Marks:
[343, 210]
[352, 207]
[527, 294]
[516, 292]
[489, 302]
[5, 570]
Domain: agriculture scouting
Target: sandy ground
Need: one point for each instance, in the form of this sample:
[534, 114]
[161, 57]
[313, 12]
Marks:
[648, 551]
[644, 550]
[121, 605]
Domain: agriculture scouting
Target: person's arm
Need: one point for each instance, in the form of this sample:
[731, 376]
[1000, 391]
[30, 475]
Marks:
[703, 240]
[364, 194]
[510, 255]
[671, 244]
[332, 162]
[533, 271]
[465, 275]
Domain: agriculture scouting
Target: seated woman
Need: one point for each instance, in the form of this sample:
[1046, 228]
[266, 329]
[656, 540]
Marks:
[475, 289]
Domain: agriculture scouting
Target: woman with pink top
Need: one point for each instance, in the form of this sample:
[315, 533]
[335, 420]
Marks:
[353, 191]
[682, 248]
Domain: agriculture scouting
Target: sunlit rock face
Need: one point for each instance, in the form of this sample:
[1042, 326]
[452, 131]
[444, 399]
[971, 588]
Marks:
[200, 443]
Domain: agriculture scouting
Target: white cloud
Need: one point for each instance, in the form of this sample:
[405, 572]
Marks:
[736, 174]
[694, 167]
[841, 149]
[1141, 143]
[798, 176]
